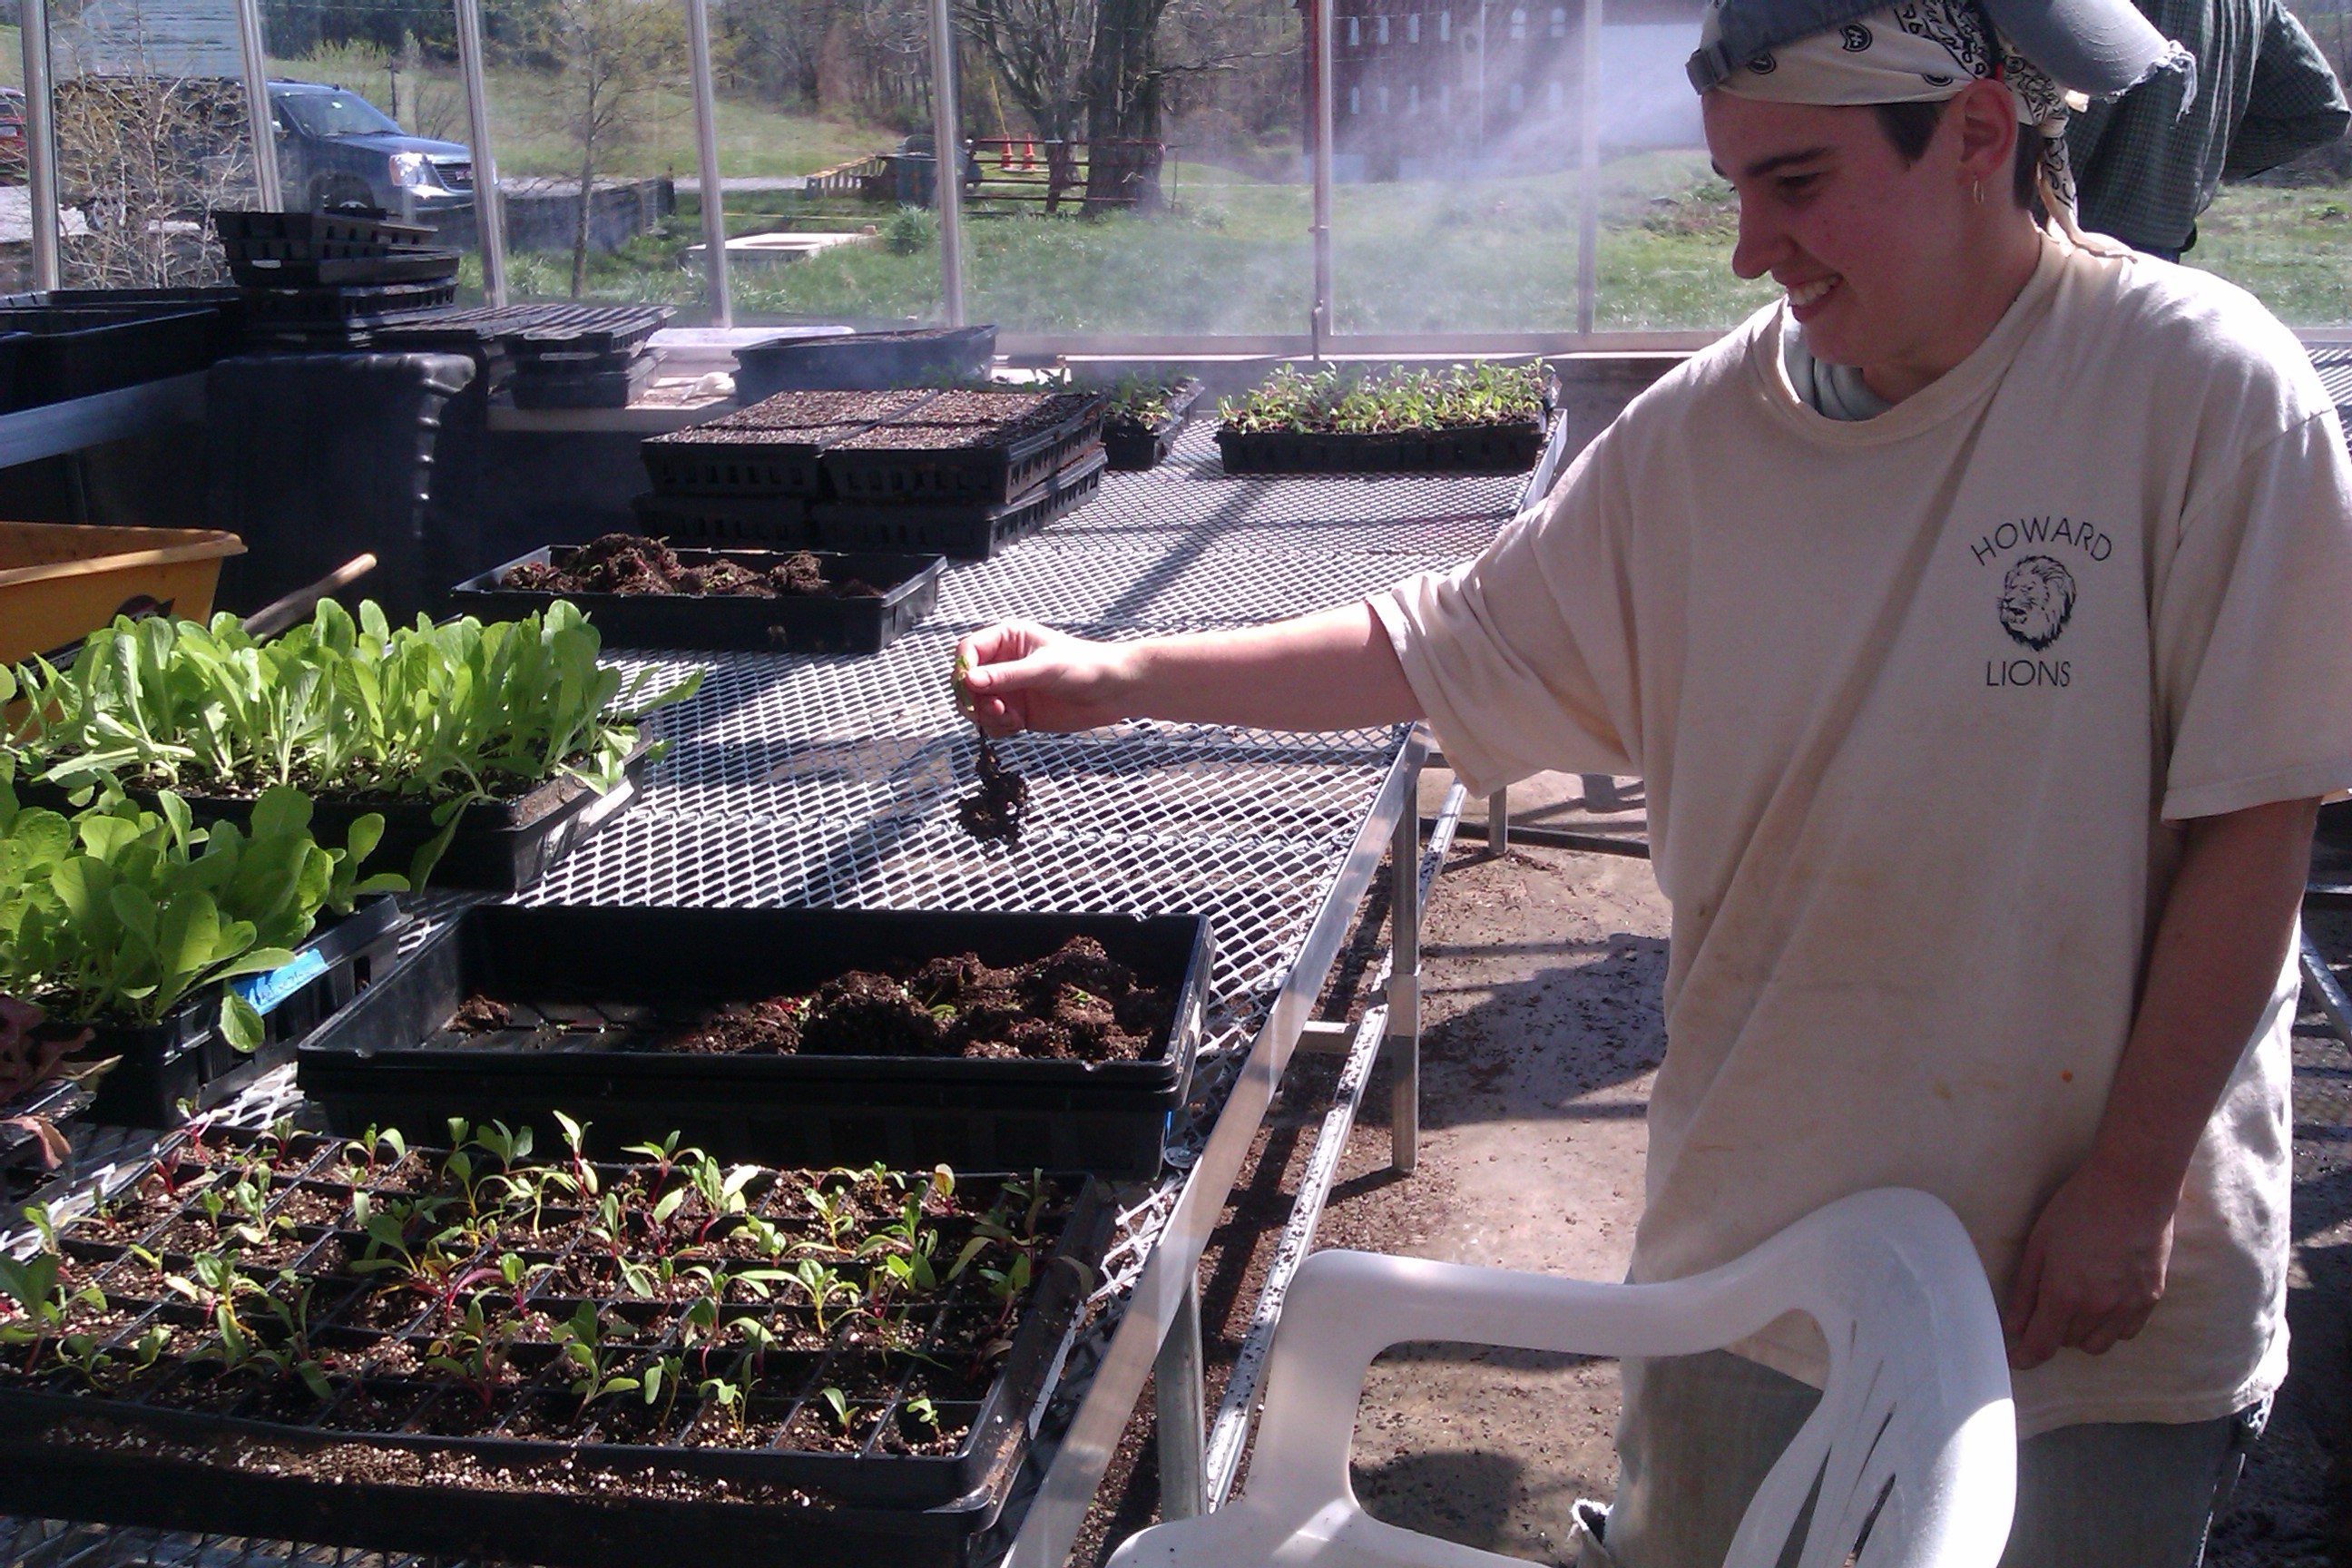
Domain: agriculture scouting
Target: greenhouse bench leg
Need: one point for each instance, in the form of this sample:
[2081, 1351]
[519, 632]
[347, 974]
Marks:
[1181, 1395]
[1404, 993]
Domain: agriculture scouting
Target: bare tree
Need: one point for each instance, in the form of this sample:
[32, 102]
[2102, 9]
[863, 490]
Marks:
[611, 58]
[143, 160]
[1039, 50]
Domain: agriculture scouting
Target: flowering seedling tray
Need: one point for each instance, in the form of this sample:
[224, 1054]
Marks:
[964, 531]
[594, 993]
[1476, 449]
[509, 1351]
[966, 449]
[185, 1061]
[806, 623]
[771, 447]
[1133, 448]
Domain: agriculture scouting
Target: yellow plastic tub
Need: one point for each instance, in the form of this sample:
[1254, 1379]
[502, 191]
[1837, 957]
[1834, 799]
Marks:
[60, 580]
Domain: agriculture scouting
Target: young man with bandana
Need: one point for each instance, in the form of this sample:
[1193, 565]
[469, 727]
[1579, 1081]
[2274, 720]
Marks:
[1975, 617]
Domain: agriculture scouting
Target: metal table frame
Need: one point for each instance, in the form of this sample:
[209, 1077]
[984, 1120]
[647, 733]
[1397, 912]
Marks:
[833, 783]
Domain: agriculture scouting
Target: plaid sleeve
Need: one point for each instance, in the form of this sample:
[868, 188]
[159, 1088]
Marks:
[2297, 103]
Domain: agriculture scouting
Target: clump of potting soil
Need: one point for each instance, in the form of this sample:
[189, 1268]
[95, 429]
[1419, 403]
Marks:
[1077, 1004]
[481, 1016]
[992, 813]
[629, 563]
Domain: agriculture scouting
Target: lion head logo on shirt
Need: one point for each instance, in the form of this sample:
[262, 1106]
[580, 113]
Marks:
[2036, 598]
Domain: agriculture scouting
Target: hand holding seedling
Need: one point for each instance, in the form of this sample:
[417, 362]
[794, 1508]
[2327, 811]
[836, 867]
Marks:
[1334, 669]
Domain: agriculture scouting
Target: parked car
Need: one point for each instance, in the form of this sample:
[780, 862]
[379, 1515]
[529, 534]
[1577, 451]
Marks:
[12, 134]
[336, 149]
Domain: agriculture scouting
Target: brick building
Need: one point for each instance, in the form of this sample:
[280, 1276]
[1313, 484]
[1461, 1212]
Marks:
[1427, 85]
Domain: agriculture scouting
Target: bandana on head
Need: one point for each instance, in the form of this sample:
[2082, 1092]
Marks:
[1920, 51]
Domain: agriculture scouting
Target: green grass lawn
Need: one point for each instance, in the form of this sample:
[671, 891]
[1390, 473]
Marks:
[1493, 254]
[2292, 248]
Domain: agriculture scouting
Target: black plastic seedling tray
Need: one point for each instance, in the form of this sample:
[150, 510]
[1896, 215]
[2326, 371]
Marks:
[1480, 449]
[966, 533]
[910, 586]
[607, 385]
[770, 449]
[81, 350]
[332, 271]
[762, 522]
[1132, 449]
[165, 1452]
[864, 362]
[313, 234]
[500, 847]
[977, 470]
[184, 1059]
[341, 307]
[392, 1060]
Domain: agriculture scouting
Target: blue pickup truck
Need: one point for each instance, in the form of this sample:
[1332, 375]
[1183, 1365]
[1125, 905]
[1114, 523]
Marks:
[336, 149]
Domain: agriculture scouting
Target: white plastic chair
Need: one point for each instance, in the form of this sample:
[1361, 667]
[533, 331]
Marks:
[1917, 1411]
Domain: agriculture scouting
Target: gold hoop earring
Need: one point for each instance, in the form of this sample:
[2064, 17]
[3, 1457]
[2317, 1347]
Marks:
[1979, 188]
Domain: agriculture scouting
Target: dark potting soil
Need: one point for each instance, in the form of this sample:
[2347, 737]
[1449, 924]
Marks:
[808, 414]
[991, 813]
[356, 1462]
[629, 563]
[954, 420]
[1075, 1004]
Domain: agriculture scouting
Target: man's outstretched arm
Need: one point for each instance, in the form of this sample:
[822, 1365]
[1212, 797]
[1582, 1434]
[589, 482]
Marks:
[1331, 670]
[2095, 1263]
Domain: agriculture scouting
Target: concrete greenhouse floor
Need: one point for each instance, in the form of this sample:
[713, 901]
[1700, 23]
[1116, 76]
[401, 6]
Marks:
[1541, 977]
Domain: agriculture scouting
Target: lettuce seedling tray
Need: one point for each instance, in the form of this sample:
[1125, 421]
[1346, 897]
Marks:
[500, 846]
[1133, 448]
[1471, 449]
[185, 1060]
[805, 624]
[509, 1351]
[966, 449]
[966, 531]
[593, 994]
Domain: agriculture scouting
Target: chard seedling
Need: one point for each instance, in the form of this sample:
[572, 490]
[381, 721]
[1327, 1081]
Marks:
[592, 1360]
[728, 1397]
[721, 1190]
[824, 1287]
[36, 1286]
[837, 1404]
[474, 1352]
[581, 1179]
[362, 1158]
[919, 1407]
[663, 1157]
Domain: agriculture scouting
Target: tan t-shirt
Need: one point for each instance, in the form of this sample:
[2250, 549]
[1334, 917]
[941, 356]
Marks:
[1917, 700]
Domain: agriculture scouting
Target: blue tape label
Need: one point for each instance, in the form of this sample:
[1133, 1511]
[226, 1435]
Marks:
[264, 992]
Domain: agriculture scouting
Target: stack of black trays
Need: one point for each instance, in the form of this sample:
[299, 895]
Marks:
[547, 357]
[961, 474]
[58, 344]
[327, 281]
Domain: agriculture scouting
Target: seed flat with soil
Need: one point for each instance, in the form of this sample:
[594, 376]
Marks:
[633, 564]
